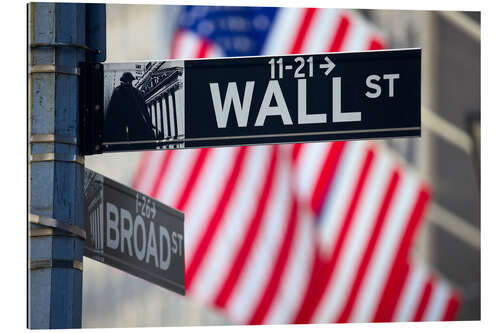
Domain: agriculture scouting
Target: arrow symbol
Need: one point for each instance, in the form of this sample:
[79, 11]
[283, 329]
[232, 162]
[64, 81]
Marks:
[329, 65]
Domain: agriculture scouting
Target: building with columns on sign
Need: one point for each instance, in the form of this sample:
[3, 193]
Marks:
[162, 87]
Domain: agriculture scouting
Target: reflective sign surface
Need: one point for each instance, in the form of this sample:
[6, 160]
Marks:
[133, 232]
[260, 100]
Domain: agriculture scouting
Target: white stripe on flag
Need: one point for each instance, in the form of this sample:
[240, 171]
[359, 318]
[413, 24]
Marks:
[150, 172]
[296, 276]
[321, 31]
[358, 33]
[229, 235]
[204, 196]
[341, 190]
[352, 252]
[385, 251]
[176, 175]
[214, 51]
[411, 293]
[265, 249]
[187, 45]
[283, 31]
[309, 164]
[437, 303]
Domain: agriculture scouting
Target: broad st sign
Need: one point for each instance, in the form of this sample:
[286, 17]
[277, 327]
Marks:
[260, 100]
[134, 233]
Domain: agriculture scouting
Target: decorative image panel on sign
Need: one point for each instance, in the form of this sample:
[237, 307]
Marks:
[144, 105]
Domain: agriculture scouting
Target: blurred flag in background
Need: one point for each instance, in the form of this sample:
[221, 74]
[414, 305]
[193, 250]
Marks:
[303, 233]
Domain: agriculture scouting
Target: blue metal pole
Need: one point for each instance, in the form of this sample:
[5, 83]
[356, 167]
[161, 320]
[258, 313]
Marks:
[56, 169]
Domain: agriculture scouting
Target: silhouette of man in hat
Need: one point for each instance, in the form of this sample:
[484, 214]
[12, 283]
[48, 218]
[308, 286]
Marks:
[127, 117]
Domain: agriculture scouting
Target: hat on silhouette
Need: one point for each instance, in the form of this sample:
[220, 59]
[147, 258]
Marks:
[127, 77]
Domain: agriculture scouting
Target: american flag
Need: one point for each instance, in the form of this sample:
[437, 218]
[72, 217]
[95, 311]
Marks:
[303, 233]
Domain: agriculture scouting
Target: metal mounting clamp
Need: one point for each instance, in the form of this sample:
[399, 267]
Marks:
[61, 157]
[55, 263]
[70, 45]
[70, 229]
[44, 232]
[54, 69]
[53, 138]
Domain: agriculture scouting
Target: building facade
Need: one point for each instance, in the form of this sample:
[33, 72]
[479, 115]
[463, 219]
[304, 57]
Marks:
[162, 87]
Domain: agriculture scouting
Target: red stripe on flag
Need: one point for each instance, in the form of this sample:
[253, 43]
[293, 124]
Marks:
[340, 34]
[194, 175]
[203, 49]
[216, 217]
[379, 222]
[451, 308]
[426, 295]
[141, 169]
[399, 270]
[326, 176]
[392, 291]
[297, 148]
[415, 221]
[351, 209]
[327, 267]
[167, 156]
[250, 234]
[375, 43]
[304, 27]
[278, 268]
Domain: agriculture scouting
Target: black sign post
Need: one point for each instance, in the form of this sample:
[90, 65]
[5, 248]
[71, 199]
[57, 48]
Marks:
[258, 100]
[133, 232]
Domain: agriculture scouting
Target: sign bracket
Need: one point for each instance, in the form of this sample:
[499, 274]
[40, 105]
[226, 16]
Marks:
[91, 110]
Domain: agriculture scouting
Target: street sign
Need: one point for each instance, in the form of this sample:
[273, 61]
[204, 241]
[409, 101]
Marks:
[133, 232]
[259, 100]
